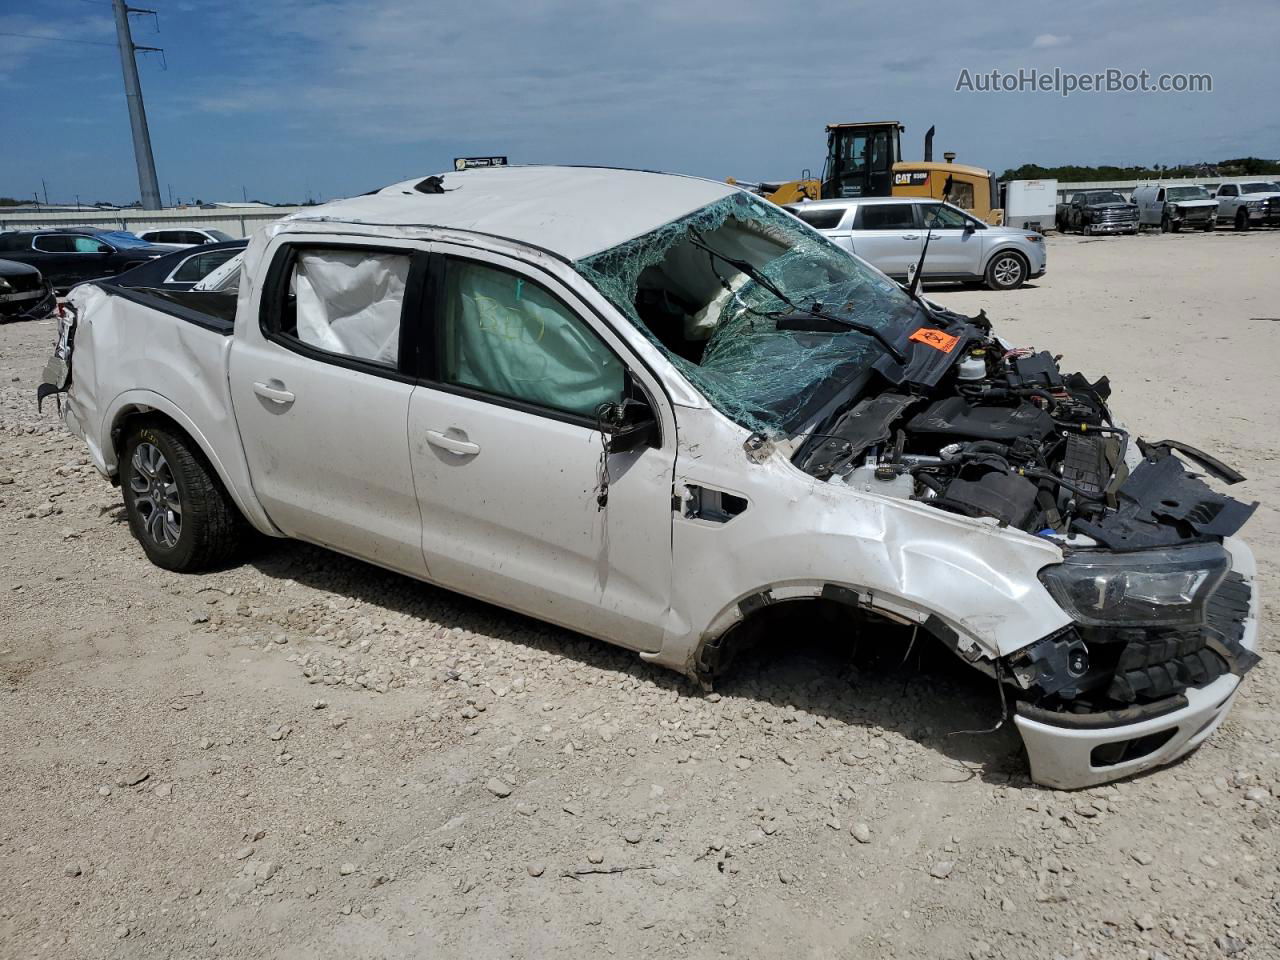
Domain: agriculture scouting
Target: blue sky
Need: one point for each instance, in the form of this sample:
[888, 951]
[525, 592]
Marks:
[335, 97]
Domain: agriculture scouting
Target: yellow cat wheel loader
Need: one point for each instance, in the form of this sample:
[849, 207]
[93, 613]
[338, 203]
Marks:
[865, 160]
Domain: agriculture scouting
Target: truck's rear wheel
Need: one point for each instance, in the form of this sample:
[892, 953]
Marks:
[177, 507]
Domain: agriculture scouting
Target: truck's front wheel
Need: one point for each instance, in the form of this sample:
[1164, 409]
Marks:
[177, 507]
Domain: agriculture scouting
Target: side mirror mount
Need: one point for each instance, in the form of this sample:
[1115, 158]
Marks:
[629, 424]
[969, 228]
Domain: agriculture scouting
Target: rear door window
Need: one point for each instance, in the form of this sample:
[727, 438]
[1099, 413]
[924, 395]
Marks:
[886, 216]
[344, 303]
[55, 243]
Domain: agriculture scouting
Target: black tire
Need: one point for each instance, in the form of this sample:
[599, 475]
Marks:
[177, 507]
[1242, 219]
[1208, 227]
[1165, 224]
[1001, 273]
[1087, 229]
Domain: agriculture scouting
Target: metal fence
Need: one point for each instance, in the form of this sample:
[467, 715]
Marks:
[237, 221]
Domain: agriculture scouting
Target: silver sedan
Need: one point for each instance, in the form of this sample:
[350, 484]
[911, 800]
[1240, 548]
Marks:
[888, 233]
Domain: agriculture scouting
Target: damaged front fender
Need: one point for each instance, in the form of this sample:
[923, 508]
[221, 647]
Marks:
[900, 558]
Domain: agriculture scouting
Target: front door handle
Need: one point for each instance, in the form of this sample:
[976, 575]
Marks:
[273, 391]
[911, 236]
[463, 448]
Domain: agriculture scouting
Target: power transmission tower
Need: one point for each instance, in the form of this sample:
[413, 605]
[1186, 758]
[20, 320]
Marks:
[147, 181]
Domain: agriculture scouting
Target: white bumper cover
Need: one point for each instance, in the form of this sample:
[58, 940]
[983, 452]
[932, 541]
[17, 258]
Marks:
[1062, 757]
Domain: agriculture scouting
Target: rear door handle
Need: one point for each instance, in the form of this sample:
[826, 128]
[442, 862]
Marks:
[464, 448]
[911, 236]
[273, 391]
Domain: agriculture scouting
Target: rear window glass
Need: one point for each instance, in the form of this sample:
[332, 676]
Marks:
[201, 265]
[820, 218]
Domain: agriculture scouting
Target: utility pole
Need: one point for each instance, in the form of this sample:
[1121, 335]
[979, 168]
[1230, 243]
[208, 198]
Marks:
[147, 182]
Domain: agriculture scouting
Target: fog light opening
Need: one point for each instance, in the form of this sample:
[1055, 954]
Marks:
[1122, 751]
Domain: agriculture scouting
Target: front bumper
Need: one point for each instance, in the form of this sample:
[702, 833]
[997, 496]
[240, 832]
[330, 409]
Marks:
[1114, 226]
[28, 305]
[1064, 756]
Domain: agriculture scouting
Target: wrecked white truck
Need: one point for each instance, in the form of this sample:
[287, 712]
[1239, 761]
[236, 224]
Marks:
[650, 407]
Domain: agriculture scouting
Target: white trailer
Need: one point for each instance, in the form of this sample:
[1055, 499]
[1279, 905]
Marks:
[1030, 204]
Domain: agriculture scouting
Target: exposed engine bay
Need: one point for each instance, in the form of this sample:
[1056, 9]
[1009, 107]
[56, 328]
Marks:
[1007, 435]
[1003, 433]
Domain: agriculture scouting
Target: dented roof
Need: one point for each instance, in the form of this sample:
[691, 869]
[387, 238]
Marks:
[571, 211]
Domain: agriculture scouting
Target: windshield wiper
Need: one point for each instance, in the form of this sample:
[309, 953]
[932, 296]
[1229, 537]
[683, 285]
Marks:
[811, 319]
[815, 321]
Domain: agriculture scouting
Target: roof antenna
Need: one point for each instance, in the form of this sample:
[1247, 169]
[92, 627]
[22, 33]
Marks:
[430, 185]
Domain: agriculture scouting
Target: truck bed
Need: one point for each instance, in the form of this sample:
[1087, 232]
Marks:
[140, 349]
[213, 311]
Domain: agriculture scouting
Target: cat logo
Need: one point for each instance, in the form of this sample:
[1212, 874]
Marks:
[916, 178]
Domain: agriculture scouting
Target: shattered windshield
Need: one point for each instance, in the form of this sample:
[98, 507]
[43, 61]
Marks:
[711, 288]
[1188, 193]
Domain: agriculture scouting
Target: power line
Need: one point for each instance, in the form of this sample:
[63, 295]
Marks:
[32, 36]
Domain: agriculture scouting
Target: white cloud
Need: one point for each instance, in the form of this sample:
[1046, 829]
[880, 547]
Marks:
[1050, 40]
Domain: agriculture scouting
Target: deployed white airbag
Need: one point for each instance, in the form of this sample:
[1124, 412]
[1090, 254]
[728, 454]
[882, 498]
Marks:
[349, 302]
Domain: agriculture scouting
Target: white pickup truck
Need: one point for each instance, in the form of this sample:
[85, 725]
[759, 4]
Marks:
[659, 410]
[1246, 205]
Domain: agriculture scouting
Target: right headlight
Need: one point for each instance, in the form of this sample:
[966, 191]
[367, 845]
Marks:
[1153, 588]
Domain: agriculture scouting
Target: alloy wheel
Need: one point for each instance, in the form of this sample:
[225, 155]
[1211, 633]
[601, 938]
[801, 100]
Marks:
[1007, 271]
[155, 495]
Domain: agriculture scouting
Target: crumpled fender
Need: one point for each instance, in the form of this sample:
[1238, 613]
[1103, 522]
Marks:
[800, 536]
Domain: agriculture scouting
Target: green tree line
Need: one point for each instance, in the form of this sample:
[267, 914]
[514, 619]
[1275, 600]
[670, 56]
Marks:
[1070, 173]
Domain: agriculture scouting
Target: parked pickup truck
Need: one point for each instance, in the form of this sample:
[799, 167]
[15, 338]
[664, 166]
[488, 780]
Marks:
[1098, 211]
[662, 411]
[1248, 205]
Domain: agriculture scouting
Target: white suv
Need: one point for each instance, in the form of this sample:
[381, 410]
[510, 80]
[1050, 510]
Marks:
[889, 232]
[184, 236]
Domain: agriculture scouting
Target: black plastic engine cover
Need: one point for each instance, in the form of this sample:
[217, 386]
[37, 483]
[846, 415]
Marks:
[1008, 498]
[954, 417]
[1036, 372]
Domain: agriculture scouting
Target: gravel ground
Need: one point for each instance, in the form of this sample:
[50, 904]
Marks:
[306, 756]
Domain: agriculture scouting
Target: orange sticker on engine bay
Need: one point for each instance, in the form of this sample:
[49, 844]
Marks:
[935, 338]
